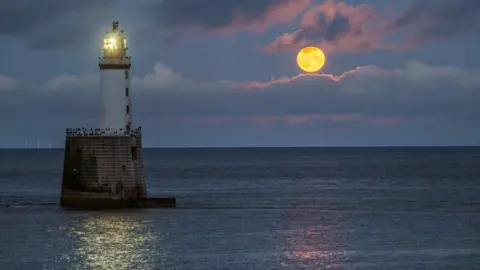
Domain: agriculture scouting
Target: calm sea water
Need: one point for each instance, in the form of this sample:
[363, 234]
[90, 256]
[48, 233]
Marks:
[310, 208]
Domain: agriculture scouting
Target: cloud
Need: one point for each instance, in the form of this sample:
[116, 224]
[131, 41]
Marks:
[335, 27]
[431, 20]
[439, 102]
[161, 77]
[52, 24]
[7, 83]
[221, 16]
[418, 91]
[87, 81]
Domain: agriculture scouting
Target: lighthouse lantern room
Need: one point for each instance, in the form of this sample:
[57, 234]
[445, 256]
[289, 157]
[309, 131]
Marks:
[115, 91]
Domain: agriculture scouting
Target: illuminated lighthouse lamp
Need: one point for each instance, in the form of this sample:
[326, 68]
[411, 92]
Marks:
[111, 43]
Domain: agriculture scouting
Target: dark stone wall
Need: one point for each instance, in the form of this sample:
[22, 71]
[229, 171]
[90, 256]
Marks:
[103, 171]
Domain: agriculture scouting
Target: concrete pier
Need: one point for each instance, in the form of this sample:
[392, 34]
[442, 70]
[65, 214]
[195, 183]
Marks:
[102, 171]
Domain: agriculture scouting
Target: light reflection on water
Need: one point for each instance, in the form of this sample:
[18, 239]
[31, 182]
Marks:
[313, 247]
[114, 242]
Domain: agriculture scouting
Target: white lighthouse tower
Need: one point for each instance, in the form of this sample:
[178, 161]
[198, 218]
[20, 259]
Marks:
[114, 67]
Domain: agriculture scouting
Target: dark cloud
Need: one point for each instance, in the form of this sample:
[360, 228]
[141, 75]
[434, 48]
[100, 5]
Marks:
[51, 24]
[334, 26]
[437, 19]
[325, 29]
[339, 25]
[221, 15]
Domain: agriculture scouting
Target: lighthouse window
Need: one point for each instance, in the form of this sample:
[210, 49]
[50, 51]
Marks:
[128, 109]
[126, 74]
[134, 153]
[127, 92]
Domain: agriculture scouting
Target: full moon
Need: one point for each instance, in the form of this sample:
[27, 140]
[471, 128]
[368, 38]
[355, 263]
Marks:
[310, 59]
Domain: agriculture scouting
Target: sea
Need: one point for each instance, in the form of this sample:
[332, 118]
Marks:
[254, 208]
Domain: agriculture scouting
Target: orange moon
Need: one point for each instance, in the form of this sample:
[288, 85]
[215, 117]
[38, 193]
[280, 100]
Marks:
[310, 59]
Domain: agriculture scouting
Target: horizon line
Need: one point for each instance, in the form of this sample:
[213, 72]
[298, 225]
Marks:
[260, 147]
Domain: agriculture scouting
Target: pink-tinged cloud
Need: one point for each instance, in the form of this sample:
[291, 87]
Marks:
[343, 118]
[339, 27]
[262, 119]
[283, 12]
[271, 121]
[364, 71]
[223, 17]
[335, 26]
[7, 83]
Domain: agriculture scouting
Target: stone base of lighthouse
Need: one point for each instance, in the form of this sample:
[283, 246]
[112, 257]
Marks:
[102, 171]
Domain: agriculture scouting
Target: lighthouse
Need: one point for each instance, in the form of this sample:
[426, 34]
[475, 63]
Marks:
[103, 167]
[114, 64]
